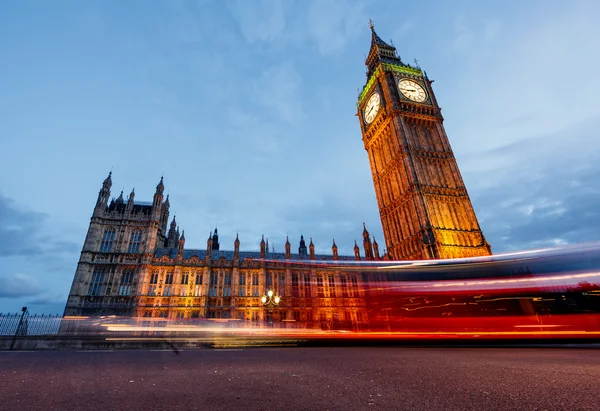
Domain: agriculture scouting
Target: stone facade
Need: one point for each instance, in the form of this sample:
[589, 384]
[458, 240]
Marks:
[128, 266]
[131, 265]
[425, 210]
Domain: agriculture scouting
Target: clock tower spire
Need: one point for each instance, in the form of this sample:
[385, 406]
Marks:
[425, 210]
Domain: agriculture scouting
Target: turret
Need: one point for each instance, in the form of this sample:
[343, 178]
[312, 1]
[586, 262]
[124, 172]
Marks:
[120, 199]
[236, 247]
[215, 240]
[158, 196]
[104, 193]
[288, 248]
[209, 243]
[376, 249]
[181, 244]
[334, 250]
[367, 243]
[311, 246]
[172, 237]
[130, 201]
[262, 247]
[209, 247]
[302, 249]
[163, 219]
[356, 251]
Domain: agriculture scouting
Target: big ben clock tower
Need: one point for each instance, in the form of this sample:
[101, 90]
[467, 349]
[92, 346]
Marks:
[425, 210]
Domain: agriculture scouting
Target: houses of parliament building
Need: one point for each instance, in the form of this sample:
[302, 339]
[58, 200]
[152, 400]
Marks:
[134, 262]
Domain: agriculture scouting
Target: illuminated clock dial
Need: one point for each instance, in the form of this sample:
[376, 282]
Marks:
[372, 108]
[412, 90]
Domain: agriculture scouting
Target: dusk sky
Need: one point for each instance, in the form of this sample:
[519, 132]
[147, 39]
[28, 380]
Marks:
[248, 110]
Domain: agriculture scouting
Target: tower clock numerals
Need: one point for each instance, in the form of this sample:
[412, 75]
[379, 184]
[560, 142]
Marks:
[372, 108]
[412, 90]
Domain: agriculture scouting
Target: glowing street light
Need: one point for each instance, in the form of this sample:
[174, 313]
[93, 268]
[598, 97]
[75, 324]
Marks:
[270, 300]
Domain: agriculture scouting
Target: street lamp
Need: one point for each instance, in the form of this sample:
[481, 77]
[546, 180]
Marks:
[270, 300]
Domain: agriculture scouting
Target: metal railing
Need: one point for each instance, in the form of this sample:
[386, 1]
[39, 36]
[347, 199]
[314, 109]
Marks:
[25, 324]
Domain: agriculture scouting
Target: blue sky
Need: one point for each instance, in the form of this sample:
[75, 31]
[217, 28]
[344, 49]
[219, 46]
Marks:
[248, 108]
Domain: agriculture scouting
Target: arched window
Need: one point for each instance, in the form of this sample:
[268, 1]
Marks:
[134, 242]
[97, 281]
[107, 240]
[126, 282]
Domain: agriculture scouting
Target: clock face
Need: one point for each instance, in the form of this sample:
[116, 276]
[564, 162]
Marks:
[372, 108]
[412, 90]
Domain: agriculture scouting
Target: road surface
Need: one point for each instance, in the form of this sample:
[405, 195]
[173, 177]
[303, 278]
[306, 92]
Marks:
[349, 378]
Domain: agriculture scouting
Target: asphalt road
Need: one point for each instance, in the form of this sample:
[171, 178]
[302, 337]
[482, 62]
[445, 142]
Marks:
[351, 378]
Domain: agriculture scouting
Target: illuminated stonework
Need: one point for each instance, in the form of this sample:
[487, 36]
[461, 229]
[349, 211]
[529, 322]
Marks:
[131, 265]
[425, 210]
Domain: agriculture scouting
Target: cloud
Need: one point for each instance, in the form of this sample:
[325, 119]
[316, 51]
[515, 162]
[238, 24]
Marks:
[259, 20]
[19, 285]
[276, 91]
[463, 34]
[25, 232]
[404, 28]
[549, 198]
[53, 299]
[19, 228]
[260, 137]
[332, 24]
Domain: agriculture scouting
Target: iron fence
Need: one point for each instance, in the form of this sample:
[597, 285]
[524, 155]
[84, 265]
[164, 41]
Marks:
[22, 324]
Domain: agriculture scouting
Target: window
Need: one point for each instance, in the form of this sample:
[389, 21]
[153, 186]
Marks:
[344, 286]
[331, 287]
[126, 282]
[180, 314]
[185, 278]
[269, 281]
[281, 284]
[96, 282]
[295, 290]
[307, 285]
[168, 290]
[254, 285]
[212, 292]
[242, 285]
[227, 288]
[153, 282]
[134, 242]
[183, 291]
[107, 240]
[320, 286]
[198, 286]
[354, 287]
